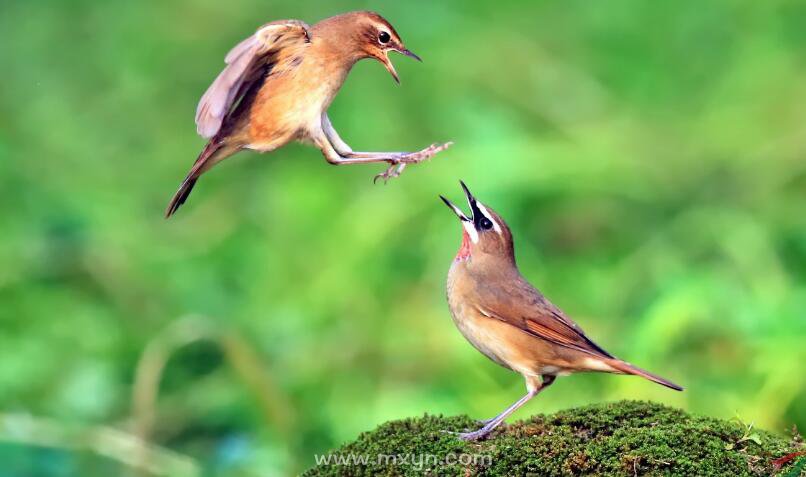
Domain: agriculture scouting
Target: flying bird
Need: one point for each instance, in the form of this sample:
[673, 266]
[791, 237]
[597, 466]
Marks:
[510, 321]
[277, 86]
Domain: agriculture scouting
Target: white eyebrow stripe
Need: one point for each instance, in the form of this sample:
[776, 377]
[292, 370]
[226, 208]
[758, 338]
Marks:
[487, 214]
[471, 231]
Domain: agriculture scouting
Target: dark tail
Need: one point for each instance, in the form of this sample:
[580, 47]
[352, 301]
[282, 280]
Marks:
[627, 368]
[181, 195]
[206, 160]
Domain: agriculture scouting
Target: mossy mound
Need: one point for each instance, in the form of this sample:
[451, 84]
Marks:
[621, 438]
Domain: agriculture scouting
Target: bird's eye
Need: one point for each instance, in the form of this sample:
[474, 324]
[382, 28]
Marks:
[384, 37]
[485, 223]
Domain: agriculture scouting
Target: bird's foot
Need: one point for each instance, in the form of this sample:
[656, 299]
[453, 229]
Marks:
[427, 153]
[475, 435]
[479, 434]
[393, 171]
[399, 162]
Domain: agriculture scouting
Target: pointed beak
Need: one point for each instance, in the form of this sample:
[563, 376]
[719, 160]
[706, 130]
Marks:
[388, 63]
[409, 54]
[471, 201]
[456, 210]
[389, 66]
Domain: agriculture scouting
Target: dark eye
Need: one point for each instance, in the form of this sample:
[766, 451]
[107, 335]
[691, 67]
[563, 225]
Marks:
[384, 37]
[485, 223]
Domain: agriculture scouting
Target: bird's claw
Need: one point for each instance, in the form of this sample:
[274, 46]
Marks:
[465, 436]
[427, 153]
[399, 163]
[475, 435]
[393, 171]
[470, 436]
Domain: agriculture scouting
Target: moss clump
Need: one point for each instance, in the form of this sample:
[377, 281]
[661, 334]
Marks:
[621, 438]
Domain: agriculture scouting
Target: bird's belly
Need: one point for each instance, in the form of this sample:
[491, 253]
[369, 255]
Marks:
[501, 342]
[283, 114]
[483, 340]
[279, 122]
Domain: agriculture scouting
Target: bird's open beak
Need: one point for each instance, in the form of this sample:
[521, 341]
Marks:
[389, 66]
[471, 201]
[456, 210]
[408, 53]
[388, 63]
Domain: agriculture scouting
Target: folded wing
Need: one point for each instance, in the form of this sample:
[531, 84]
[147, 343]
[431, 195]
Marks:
[526, 308]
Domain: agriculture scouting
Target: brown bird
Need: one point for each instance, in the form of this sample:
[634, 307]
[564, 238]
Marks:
[509, 320]
[277, 87]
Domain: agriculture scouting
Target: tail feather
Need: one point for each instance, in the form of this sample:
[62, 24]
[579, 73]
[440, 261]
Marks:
[207, 158]
[627, 368]
[181, 195]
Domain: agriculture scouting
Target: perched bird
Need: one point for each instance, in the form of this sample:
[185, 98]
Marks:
[509, 320]
[278, 84]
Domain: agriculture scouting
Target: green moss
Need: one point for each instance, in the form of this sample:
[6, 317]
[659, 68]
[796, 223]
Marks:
[622, 438]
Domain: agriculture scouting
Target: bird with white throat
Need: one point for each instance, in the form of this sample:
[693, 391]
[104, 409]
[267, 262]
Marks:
[508, 320]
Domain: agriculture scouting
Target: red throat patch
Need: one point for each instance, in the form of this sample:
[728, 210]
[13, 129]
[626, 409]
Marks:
[464, 249]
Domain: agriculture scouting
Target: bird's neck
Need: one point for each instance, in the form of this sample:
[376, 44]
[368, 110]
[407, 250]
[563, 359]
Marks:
[338, 44]
[475, 261]
[503, 254]
[324, 70]
[464, 249]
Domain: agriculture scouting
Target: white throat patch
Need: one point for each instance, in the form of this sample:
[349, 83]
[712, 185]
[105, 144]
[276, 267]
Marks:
[471, 231]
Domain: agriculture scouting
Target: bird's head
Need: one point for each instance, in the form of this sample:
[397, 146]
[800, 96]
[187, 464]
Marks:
[369, 35]
[485, 235]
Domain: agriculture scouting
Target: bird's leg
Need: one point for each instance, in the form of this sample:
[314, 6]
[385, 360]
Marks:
[333, 137]
[342, 153]
[491, 424]
[399, 160]
[497, 420]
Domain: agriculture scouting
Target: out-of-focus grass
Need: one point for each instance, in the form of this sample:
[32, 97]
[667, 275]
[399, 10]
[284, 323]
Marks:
[649, 158]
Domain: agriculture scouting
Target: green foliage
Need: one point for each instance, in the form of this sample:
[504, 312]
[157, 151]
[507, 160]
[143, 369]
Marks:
[621, 438]
[649, 157]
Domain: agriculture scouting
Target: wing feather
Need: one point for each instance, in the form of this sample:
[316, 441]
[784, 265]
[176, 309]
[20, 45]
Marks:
[527, 309]
[243, 61]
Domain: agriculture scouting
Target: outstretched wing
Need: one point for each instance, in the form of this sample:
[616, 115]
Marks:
[526, 308]
[246, 63]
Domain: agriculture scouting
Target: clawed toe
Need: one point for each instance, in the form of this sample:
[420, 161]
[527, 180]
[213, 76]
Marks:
[393, 171]
[425, 154]
[474, 436]
[468, 436]
[400, 160]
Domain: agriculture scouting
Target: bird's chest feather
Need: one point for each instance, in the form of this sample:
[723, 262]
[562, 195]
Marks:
[483, 333]
[500, 341]
[292, 100]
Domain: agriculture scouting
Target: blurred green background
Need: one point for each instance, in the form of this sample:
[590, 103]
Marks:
[649, 157]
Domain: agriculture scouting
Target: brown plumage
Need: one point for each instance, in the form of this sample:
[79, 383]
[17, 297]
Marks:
[509, 320]
[277, 86]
